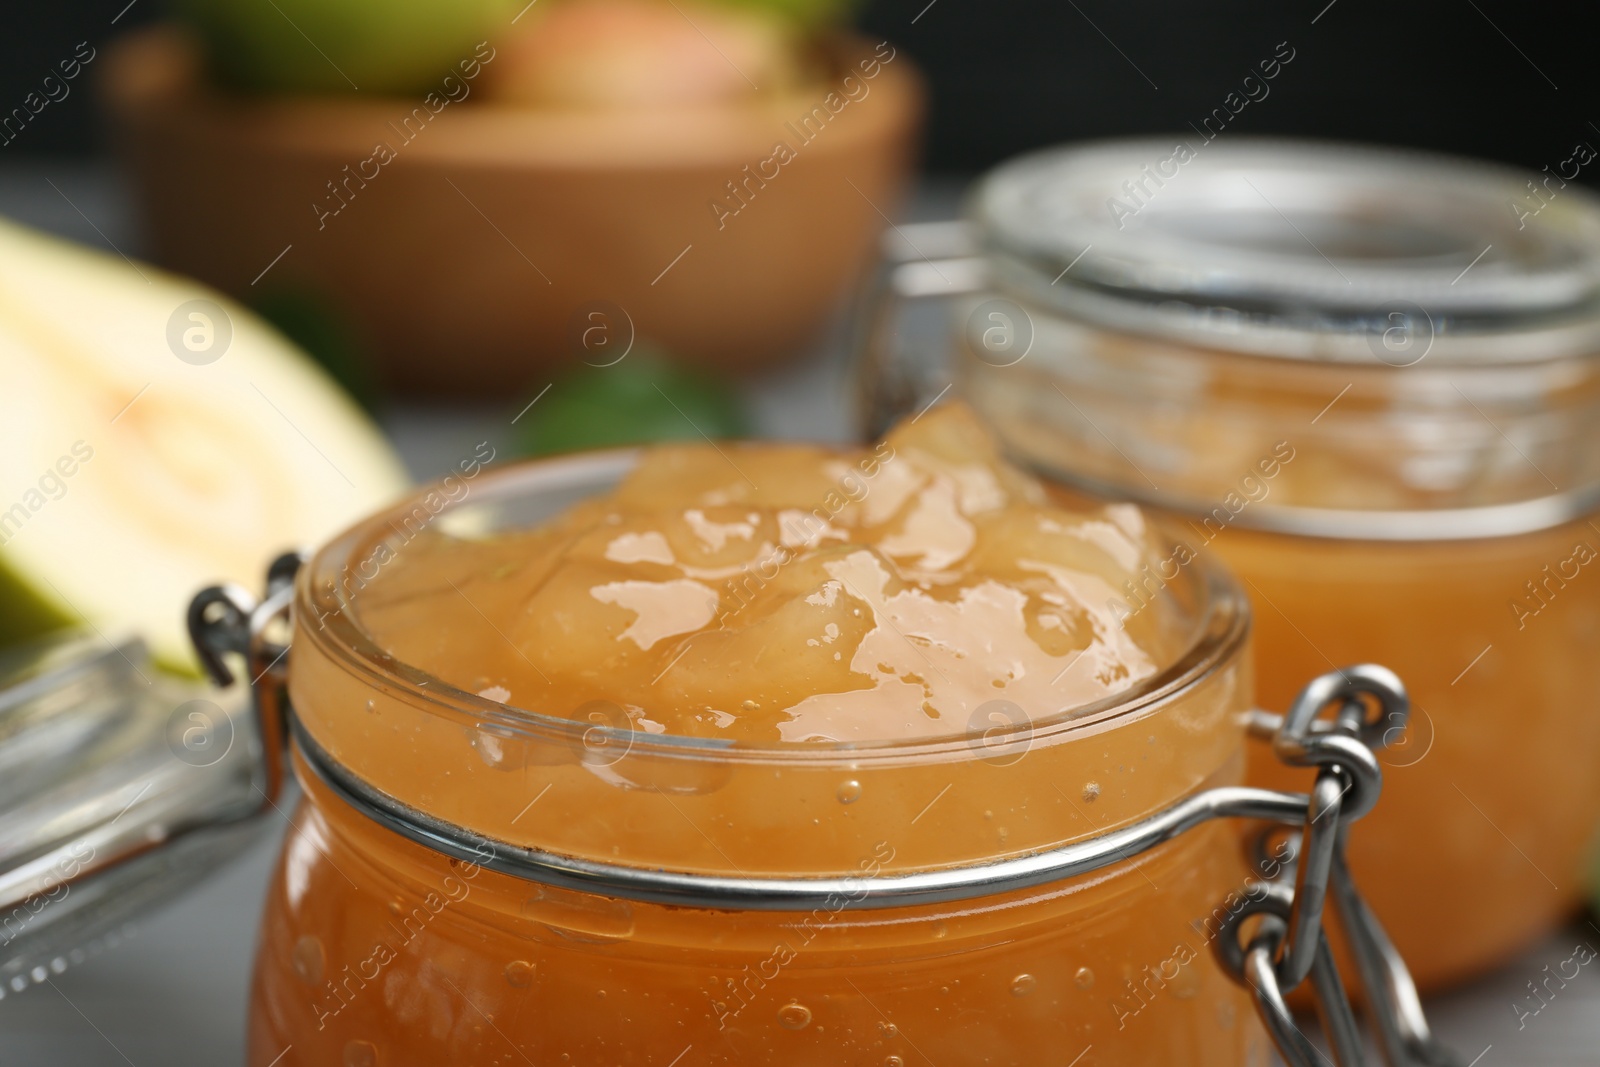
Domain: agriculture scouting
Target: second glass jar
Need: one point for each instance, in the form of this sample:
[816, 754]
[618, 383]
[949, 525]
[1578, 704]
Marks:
[1374, 393]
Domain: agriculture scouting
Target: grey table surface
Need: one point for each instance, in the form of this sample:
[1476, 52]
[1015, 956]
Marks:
[173, 991]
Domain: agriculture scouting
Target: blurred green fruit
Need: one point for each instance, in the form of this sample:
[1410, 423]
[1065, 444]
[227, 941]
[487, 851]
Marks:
[801, 12]
[376, 46]
[313, 322]
[639, 400]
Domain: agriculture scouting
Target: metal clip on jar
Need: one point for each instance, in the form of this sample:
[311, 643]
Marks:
[393, 809]
[1360, 377]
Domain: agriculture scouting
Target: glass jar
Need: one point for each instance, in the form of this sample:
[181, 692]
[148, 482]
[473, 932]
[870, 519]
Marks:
[468, 881]
[1367, 382]
[379, 949]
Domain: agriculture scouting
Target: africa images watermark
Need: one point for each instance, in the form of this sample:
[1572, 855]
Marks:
[754, 177]
[1527, 1007]
[1140, 189]
[803, 529]
[1253, 487]
[78, 857]
[1536, 198]
[51, 485]
[450, 490]
[53, 89]
[1552, 579]
[1156, 977]
[730, 996]
[452, 90]
[406, 928]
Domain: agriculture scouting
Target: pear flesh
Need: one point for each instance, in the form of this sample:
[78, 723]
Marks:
[156, 437]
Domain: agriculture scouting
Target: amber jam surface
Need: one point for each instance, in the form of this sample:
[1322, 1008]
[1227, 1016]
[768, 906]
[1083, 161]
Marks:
[1486, 831]
[757, 660]
[1485, 835]
[788, 593]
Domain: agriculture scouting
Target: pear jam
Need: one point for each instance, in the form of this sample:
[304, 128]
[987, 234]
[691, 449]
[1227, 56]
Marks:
[748, 660]
[777, 593]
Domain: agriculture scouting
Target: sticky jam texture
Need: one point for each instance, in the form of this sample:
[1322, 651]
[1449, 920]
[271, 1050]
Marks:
[780, 593]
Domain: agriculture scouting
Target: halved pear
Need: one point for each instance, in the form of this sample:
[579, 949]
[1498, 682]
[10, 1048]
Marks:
[156, 437]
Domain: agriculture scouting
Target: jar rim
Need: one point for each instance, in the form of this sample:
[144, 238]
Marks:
[1297, 249]
[327, 615]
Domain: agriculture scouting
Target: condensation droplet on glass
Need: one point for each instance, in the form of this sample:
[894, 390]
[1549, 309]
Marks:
[794, 1016]
[519, 973]
[849, 792]
[1186, 983]
[1023, 984]
[490, 748]
[1084, 978]
[360, 1054]
[309, 960]
[1091, 790]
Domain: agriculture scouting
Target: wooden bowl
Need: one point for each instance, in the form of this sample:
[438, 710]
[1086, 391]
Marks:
[466, 247]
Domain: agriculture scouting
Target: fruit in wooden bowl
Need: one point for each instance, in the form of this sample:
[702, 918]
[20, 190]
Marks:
[463, 237]
[373, 46]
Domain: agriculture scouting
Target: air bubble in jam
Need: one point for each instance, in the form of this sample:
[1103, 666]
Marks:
[360, 1054]
[1083, 978]
[1186, 983]
[309, 960]
[849, 792]
[1023, 984]
[581, 917]
[794, 1016]
[491, 748]
[519, 973]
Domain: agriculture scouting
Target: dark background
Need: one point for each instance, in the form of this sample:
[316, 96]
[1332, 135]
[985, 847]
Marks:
[1491, 78]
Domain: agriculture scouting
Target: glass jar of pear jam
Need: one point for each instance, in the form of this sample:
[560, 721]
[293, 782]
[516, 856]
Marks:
[753, 662]
[1367, 381]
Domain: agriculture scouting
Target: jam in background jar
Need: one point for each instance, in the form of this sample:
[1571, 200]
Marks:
[1373, 392]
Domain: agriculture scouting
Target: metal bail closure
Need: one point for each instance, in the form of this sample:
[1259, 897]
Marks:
[1272, 944]
[1289, 942]
[225, 619]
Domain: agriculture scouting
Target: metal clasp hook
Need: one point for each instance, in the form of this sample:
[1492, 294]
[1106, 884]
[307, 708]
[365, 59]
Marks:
[225, 620]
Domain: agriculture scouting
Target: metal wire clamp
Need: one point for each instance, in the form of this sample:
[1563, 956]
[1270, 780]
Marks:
[1273, 943]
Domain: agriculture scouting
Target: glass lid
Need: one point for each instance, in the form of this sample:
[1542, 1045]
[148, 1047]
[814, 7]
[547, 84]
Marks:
[102, 758]
[1286, 247]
